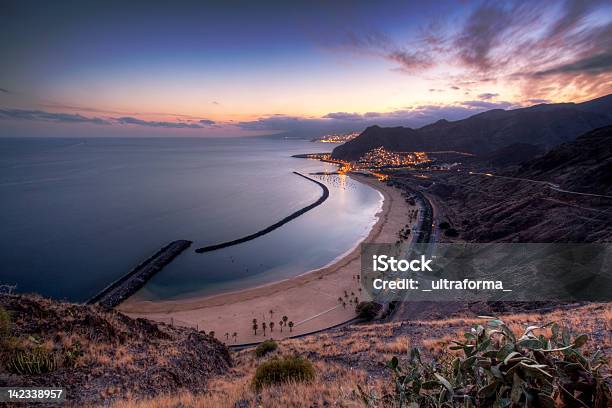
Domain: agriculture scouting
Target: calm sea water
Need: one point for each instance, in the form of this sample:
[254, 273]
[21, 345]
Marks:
[78, 214]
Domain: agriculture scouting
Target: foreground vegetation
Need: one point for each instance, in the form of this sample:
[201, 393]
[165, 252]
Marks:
[99, 355]
[292, 369]
[351, 365]
[499, 369]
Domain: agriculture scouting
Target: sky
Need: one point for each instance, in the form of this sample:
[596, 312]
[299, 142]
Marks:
[233, 68]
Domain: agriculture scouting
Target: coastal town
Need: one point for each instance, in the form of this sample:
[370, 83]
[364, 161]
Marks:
[336, 137]
[375, 159]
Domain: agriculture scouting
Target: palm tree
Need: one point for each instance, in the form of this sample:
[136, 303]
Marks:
[263, 326]
[281, 323]
[254, 321]
[344, 305]
[271, 327]
[285, 318]
[271, 314]
[339, 299]
[226, 336]
[212, 333]
[235, 336]
[255, 327]
[290, 326]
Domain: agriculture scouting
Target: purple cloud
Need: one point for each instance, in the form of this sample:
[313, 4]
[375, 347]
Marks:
[548, 47]
[481, 33]
[129, 120]
[343, 116]
[378, 44]
[592, 65]
[415, 116]
[536, 101]
[487, 105]
[38, 115]
[60, 117]
[487, 95]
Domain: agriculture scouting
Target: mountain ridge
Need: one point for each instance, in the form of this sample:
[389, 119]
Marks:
[544, 125]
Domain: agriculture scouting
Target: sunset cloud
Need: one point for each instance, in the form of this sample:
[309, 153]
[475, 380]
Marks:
[329, 68]
[487, 105]
[415, 116]
[506, 42]
[487, 95]
[62, 117]
[39, 115]
[407, 59]
[128, 120]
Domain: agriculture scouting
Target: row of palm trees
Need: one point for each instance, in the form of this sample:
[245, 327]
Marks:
[285, 322]
[350, 299]
[282, 323]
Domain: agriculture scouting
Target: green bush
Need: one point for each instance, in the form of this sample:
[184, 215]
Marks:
[265, 347]
[5, 323]
[500, 370]
[367, 310]
[282, 370]
[34, 361]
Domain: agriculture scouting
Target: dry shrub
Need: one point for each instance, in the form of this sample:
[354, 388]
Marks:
[283, 370]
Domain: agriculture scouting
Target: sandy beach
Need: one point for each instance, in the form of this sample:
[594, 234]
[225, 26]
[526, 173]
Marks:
[309, 300]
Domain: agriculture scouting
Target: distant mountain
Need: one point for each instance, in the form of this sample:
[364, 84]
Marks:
[545, 126]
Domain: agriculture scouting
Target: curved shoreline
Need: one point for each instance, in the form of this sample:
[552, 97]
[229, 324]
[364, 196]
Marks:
[274, 226]
[309, 299]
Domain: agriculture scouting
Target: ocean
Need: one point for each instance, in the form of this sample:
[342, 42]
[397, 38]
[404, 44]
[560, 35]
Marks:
[76, 214]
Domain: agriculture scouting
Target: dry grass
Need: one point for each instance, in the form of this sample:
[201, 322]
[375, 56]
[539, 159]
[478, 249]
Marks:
[333, 386]
[399, 345]
[356, 355]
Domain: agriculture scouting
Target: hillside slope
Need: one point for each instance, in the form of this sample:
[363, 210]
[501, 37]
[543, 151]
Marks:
[355, 357]
[99, 354]
[582, 165]
[516, 206]
[543, 125]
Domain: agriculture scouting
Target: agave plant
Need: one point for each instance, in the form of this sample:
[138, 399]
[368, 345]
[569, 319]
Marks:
[35, 361]
[498, 369]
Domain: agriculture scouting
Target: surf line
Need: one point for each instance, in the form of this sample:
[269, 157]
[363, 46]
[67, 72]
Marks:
[274, 226]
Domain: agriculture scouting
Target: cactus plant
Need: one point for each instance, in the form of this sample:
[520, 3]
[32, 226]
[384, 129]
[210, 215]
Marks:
[34, 361]
[498, 369]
